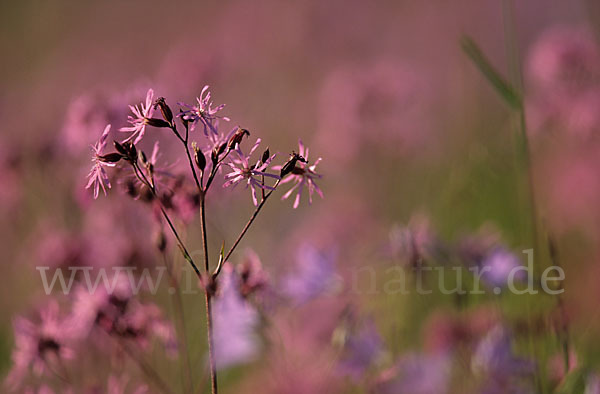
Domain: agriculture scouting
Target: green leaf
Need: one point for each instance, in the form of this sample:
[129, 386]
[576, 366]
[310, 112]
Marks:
[574, 382]
[502, 86]
[221, 258]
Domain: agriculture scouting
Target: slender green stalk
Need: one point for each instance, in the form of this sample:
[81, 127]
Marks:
[516, 77]
[207, 295]
[207, 298]
[178, 307]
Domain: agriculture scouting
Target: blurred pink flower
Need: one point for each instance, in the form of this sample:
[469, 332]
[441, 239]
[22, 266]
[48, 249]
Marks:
[414, 242]
[119, 314]
[203, 112]
[140, 119]
[570, 186]
[302, 175]
[384, 105]
[97, 175]
[253, 277]
[563, 74]
[39, 345]
[83, 118]
[252, 174]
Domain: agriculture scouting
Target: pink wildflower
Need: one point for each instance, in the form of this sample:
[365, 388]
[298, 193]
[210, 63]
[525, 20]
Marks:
[38, 345]
[97, 176]
[303, 174]
[203, 112]
[140, 119]
[242, 170]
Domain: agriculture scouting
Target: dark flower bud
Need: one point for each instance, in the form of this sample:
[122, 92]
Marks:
[133, 155]
[216, 152]
[200, 160]
[164, 109]
[236, 138]
[265, 156]
[214, 156]
[155, 122]
[127, 150]
[111, 157]
[221, 149]
[143, 158]
[290, 166]
[199, 157]
[120, 148]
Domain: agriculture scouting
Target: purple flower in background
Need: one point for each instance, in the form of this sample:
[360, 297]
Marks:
[140, 119]
[315, 274]
[252, 174]
[498, 265]
[303, 175]
[414, 242]
[97, 175]
[38, 346]
[235, 321]
[592, 385]
[361, 349]
[416, 374]
[203, 112]
[494, 358]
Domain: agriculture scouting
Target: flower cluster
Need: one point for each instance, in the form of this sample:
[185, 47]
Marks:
[221, 149]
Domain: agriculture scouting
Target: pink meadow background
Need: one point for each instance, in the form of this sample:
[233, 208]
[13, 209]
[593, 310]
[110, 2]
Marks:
[421, 160]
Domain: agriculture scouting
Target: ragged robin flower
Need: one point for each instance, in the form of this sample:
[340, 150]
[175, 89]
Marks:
[252, 174]
[203, 112]
[301, 174]
[140, 118]
[97, 175]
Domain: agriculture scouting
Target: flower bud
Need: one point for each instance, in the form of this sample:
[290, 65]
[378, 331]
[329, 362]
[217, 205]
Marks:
[120, 148]
[265, 156]
[143, 158]
[288, 167]
[133, 154]
[155, 122]
[236, 138]
[164, 109]
[127, 150]
[291, 164]
[111, 157]
[216, 152]
[199, 157]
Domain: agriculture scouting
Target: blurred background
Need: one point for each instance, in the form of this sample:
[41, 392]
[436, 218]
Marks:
[416, 144]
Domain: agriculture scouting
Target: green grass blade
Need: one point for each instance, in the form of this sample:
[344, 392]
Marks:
[502, 86]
